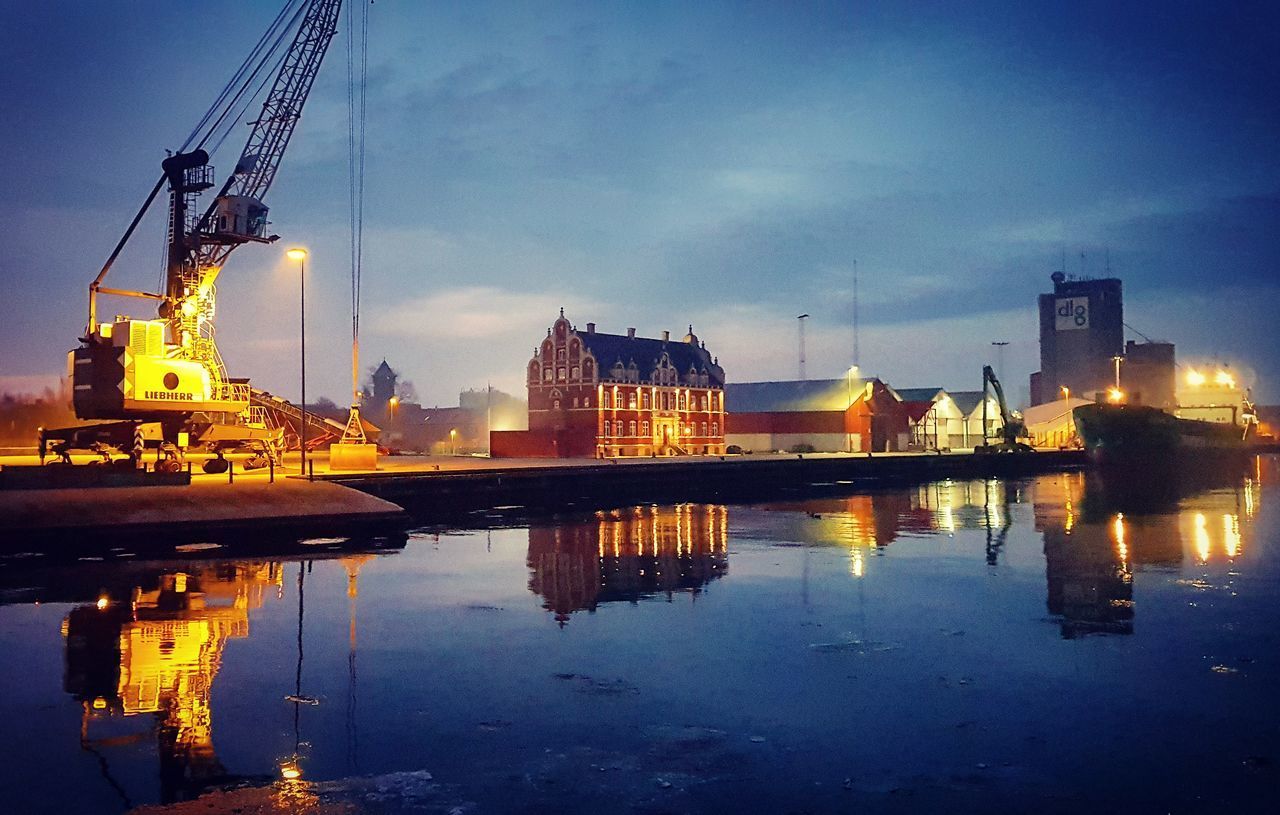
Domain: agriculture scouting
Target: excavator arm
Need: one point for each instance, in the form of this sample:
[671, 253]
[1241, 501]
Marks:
[1011, 428]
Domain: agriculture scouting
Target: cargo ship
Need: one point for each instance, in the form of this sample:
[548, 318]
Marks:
[1213, 421]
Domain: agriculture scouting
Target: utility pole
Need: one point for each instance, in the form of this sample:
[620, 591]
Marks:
[801, 320]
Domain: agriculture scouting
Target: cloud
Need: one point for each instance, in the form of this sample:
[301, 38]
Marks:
[476, 312]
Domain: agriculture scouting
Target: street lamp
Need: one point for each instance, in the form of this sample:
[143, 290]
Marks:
[453, 441]
[1066, 392]
[392, 403]
[1117, 359]
[300, 255]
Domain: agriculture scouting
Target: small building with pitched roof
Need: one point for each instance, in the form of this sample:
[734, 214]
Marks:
[849, 414]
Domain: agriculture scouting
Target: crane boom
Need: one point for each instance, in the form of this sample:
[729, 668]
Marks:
[260, 159]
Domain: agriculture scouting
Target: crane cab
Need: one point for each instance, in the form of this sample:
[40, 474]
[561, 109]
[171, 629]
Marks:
[240, 218]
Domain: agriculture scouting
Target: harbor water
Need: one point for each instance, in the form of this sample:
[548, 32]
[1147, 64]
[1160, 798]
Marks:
[1059, 644]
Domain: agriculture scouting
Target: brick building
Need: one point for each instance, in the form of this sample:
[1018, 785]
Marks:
[601, 395]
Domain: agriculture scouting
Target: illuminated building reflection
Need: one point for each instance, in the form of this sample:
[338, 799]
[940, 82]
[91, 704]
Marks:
[627, 554]
[1096, 539]
[867, 524]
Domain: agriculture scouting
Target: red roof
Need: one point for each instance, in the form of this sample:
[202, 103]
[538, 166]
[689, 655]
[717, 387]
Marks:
[917, 410]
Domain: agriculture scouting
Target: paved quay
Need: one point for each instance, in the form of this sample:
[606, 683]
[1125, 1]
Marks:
[250, 506]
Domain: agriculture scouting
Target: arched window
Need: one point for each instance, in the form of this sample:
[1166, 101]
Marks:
[586, 401]
[631, 428]
[560, 374]
[683, 401]
[631, 401]
[715, 428]
[644, 428]
[704, 403]
[546, 375]
[644, 400]
[606, 427]
[703, 429]
[575, 401]
[560, 354]
[534, 371]
[556, 405]
[575, 372]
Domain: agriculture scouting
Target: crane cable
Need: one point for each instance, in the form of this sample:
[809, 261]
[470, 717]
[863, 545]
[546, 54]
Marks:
[357, 85]
[260, 56]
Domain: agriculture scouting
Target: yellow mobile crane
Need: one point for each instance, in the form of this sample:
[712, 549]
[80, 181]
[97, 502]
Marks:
[161, 382]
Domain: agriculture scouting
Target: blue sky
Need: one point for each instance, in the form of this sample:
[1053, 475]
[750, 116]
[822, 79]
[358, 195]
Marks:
[660, 164]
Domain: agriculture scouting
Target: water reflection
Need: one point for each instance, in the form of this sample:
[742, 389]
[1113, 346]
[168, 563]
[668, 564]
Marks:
[1097, 534]
[147, 650]
[145, 642]
[627, 554]
[867, 524]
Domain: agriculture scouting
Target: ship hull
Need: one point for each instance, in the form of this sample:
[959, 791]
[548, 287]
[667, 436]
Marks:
[1121, 435]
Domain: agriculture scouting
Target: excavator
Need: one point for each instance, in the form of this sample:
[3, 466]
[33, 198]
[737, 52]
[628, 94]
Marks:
[1012, 430]
[160, 383]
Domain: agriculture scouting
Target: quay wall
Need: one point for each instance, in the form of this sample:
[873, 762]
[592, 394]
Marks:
[452, 495]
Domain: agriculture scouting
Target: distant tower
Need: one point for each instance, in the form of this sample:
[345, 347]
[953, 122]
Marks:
[384, 384]
[1081, 332]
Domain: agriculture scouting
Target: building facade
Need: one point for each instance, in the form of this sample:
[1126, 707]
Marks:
[850, 414]
[1148, 375]
[601, 395]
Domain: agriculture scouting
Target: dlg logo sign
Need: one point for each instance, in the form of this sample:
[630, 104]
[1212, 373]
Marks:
[1071, 313]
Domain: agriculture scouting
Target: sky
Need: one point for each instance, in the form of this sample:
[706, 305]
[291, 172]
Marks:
[657, 165]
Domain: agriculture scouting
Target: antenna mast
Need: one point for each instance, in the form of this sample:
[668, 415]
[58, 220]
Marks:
[856, 361]
[801, 320]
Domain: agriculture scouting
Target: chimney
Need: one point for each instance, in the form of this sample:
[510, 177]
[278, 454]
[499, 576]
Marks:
[591, 328]
[666, 335]
[631, 333]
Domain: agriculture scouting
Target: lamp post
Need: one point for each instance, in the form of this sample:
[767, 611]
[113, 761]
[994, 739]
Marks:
[1066, 392]
[1117, 359]
[453, 441]
[300, 255]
